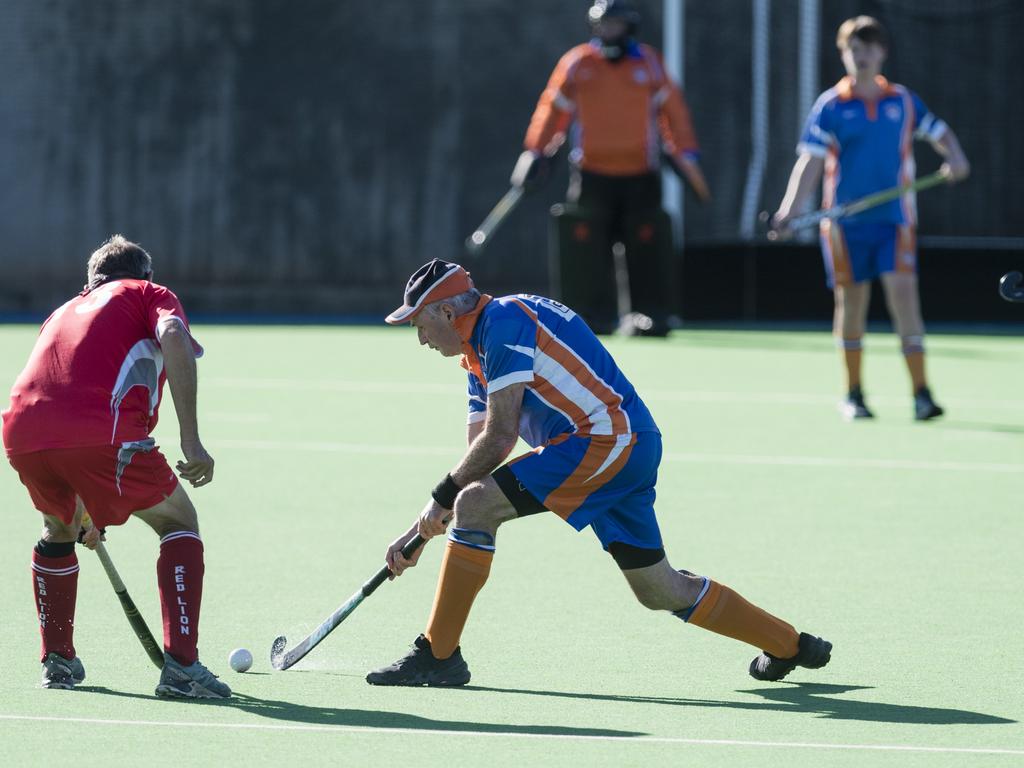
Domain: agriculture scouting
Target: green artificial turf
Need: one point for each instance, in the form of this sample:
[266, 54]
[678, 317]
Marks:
[898, 541]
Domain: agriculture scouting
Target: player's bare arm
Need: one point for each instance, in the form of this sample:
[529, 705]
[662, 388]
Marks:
[491, 447]
[496, 440]
[803, 181]
[956, 166]
[180, 365]
[490, 442]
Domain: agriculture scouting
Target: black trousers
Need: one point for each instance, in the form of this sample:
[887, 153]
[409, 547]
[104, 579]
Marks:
[615, 198]
[629, 207]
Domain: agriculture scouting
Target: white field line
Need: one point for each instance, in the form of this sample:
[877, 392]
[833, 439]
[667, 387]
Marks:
[682, 458]
[346, 729]
[683, 396]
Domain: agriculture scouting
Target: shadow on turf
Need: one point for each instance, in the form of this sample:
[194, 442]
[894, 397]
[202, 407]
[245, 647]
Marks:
[364, 718]
[809, 698]
[978, 426]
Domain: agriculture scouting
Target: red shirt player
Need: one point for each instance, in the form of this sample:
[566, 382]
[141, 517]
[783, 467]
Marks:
[78, 434]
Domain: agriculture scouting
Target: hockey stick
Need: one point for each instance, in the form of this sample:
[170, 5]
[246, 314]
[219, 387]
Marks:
[1011, 287]
[279, 659]
[477, 241]
[156, 654]
[854, 206]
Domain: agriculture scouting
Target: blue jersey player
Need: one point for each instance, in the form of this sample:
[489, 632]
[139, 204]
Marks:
[859, 135]
[536, 371]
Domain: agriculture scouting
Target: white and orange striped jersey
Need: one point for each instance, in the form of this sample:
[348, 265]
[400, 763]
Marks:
[573, 386]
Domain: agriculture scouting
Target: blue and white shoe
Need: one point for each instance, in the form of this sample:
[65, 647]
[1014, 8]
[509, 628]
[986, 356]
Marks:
[192, 682]
[61, 673]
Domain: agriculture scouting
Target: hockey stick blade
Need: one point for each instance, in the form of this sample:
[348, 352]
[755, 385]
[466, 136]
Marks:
[281, 659]
[1011, 287]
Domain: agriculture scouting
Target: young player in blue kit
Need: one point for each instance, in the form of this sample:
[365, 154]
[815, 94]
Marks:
[860, 135]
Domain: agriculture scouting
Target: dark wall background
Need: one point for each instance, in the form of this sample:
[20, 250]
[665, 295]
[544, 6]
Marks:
[305, 156]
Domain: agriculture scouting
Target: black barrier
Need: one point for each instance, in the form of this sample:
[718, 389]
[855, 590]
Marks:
[786, 282]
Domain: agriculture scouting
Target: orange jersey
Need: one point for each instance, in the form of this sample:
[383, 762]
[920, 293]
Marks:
[622, 113]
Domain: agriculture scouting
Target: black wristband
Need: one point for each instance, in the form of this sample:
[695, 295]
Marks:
[444, 493]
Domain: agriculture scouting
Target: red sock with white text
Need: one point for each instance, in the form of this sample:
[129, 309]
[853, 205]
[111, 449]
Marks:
[55, 583]
[179, 574]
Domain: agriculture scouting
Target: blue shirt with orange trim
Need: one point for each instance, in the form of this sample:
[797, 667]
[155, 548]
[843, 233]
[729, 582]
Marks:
[868, 146]
[573, 384]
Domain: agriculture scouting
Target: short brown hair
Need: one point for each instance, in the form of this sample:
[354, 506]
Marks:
[867, 29]
[118, 257]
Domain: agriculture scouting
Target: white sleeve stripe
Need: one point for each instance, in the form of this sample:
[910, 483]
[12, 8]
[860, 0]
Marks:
[823, 136]
[476, 417]
[811, 149]
[476, 399]
[931, 127]
[494, 385]
[528, 351]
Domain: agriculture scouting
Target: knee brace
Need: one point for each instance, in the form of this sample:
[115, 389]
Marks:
[472, 539]
[686, 613]
[912, 345]
[628, 557]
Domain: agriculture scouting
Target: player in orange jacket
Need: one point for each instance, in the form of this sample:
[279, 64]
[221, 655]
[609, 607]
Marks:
[622, 114]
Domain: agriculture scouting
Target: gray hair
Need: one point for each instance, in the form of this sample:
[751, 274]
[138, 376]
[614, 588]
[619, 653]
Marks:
[462, 303]
[118, 257]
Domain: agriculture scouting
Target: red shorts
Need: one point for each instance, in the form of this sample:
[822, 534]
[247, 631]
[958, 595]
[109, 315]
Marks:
[112, 481]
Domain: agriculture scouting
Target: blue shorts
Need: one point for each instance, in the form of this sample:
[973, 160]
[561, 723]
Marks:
[856, 252]
[603, 482]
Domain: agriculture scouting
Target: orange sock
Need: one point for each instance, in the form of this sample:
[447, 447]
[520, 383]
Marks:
[726, 612]
[464, 571]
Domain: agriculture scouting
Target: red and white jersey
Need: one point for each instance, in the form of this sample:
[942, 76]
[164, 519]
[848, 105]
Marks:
[96, 373]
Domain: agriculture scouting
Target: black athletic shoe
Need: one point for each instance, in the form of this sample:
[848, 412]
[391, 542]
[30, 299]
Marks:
[419, 667]
[924, 407]
[813, 653]
[62, 673]
[854, 407]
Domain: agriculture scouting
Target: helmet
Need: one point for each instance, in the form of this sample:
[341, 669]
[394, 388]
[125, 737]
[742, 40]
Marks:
[615, 9]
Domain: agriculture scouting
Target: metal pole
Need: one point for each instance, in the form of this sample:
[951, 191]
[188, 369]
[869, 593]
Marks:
[809, 33]
[674, 21]
[758, 117]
